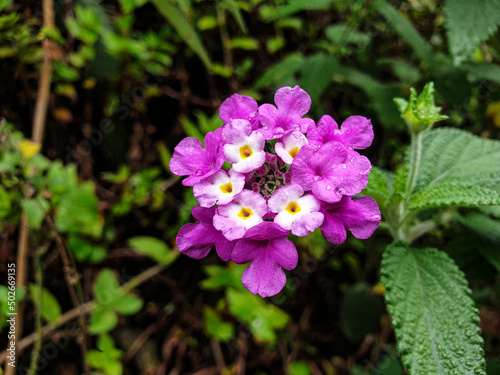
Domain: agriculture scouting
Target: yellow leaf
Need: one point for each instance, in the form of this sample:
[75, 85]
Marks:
[29, 148]
[378, 289]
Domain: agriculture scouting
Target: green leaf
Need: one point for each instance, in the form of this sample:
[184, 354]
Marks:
[456, 168]
[446, 195]
[85, 250]
[107, 357]
[405, 29]
[282, 73]
[263, 319]
[432, 313]
[489, 230]
[216, 327]
[359, 312]
[221, 277]
[380, 94]
[343, 34]
[4, 202]
[154, 248]
[35, 210]
[78, 212]
[295, 6]
[483, 71]
[299, 368]
[127, 304]
[185, 30]
[469, 23]
[46, 302]
[380, 185]
[245, 43]
[316, 74]
[102, 320]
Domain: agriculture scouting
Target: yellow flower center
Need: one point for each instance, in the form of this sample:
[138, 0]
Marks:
[245, 213]
[246, 151]
[294, 151]
[293, 208]
[227, 188]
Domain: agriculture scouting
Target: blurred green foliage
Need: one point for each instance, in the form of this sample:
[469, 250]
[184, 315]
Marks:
[351, 57]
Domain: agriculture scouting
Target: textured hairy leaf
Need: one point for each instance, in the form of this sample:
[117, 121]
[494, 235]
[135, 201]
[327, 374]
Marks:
[489, 231]
[456, 168]
[469, 23]
[380, 185]
[445, 195]
[185, 30]
[480, 71]
[432, 313]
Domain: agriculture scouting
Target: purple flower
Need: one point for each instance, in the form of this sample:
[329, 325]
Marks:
[267, 249]
[291, 105]
[244, 148]
[290, 146]
[196, 240]
[356, 132]
[192, 159]
[330, 171]
[220, 188]
[295, 212]
[244, 212]
[360, 216]
[239, 107]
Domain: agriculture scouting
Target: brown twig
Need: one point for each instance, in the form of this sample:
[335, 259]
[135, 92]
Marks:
[42, 104]
[75, 299]
[75, 312]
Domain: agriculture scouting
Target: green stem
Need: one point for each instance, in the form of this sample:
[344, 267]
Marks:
[416, 152]
[403, 209]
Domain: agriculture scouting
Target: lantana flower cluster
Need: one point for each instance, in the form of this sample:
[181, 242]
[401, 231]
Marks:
[288, 175]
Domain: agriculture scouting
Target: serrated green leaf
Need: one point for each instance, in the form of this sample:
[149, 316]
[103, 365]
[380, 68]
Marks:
[446, 195]
[489, 231]
[185, 30]
[456, 168]
[469, 23]
[432, 313]
[380, 185]
[480, 71]
[47, 303]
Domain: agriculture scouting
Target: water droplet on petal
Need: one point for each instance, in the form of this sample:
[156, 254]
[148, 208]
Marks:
[376, 217]
[344, 166]
[328, 187]
[317, 178]
[350, 148]
[274, 111]
[199, 172]
[353, 158]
